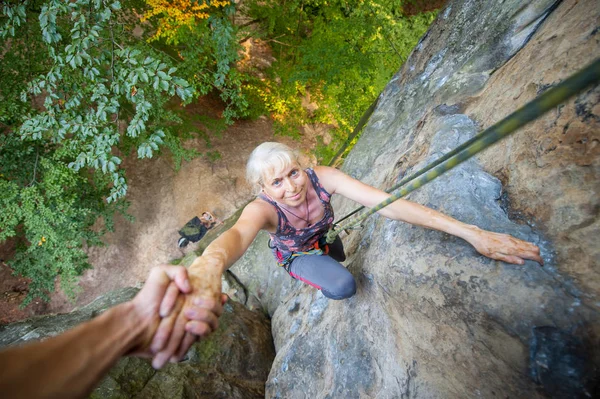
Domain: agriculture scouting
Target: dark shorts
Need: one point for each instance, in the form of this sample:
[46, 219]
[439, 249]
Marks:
[325, 273]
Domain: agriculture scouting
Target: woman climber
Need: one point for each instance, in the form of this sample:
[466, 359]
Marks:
[293, 206]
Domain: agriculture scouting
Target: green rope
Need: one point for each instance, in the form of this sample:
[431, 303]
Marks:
[425, 169]
[533, 110]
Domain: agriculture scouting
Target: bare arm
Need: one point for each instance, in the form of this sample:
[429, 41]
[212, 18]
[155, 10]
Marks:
[232, 244]
[494, 245]
[205, 277]
[69, 365]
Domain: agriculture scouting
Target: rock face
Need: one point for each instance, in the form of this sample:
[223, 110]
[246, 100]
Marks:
[233, 363]
[431, 317]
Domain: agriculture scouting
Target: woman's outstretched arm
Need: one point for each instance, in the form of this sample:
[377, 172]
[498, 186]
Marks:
[196, 318]
[493, 245]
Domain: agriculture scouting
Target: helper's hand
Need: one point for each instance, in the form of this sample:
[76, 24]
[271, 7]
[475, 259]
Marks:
[191, 319]
[505, 247]
[156, 300]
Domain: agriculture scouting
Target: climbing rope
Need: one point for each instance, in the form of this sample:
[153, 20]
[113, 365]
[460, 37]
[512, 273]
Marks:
[529, 112]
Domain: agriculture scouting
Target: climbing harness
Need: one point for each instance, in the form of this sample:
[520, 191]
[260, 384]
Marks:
[319, 248]
[529, 112]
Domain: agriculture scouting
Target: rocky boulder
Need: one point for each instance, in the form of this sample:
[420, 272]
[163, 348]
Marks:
[432, 318]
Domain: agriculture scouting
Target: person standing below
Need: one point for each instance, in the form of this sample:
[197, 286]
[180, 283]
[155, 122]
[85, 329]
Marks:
[209, 221]
[196, 229]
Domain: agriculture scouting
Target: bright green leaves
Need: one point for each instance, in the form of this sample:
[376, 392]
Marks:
[226, 79]
[94, 84]
[119, 188]
[13, 16]
[11, 212]
[225, 54]
[207, 53]
[51, 228]
[78, 93]
[146, 148]
[48, 16]
[46, 205]
[341, 52]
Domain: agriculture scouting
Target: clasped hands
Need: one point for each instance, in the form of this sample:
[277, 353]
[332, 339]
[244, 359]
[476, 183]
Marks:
[174, 314]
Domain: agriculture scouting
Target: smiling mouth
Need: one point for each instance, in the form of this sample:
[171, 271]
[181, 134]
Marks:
[295, 196]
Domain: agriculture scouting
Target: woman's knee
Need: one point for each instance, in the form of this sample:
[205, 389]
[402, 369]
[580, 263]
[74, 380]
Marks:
[342, 288]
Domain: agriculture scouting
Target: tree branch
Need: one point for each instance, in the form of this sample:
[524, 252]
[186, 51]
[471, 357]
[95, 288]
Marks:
[112, 54]
[254, 21]
[283, 44]
[37, 155]
[386, 36]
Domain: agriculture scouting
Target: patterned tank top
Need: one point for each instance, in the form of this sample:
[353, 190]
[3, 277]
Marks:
[288, 239]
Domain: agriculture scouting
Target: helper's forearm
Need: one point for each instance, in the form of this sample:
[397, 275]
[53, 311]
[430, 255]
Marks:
[420, 215]
[71, 364]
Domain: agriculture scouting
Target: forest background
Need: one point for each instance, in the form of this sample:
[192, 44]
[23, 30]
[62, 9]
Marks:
[85, 83]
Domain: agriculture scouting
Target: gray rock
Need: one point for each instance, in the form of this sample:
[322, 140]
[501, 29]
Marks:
[41, 327]
[432, 317]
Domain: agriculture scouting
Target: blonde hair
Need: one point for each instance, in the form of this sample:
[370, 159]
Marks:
[267, 159]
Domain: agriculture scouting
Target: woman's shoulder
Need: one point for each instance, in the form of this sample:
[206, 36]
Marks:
[327, 177]
[259, 205]
[260, 210]
[326, 171]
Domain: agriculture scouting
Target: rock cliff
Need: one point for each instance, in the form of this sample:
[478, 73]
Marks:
[431, 317]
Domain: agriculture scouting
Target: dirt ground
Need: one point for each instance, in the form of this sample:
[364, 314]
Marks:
[12, 293]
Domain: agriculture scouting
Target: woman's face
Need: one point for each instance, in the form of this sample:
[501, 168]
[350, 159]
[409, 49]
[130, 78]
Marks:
[287, 187]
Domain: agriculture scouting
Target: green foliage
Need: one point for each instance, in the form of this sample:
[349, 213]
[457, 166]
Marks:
[341, 52]
[89, 80]
[179, 153]
[53, 208]
[78, 92]
[206, 53]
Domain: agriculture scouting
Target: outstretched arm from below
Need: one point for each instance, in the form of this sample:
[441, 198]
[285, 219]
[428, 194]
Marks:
[71, 364]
